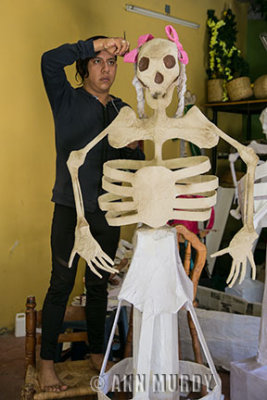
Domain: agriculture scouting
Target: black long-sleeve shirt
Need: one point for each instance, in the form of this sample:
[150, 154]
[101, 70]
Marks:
[79, 117]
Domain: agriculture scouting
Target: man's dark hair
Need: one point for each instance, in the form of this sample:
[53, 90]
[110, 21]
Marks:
[81, 65]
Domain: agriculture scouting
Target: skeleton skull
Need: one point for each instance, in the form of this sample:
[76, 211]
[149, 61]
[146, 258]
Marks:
[157, 66]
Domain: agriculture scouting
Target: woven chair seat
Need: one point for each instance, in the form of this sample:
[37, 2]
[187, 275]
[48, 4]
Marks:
[76, 374]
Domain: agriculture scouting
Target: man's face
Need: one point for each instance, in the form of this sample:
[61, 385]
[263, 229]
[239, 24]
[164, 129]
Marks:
[102, 71]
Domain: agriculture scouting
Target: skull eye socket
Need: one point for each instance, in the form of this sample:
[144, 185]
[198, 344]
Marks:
[143, 64]
[169, 61]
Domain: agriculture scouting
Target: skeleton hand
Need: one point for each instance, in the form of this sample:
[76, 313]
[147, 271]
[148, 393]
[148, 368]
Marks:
[88, 248]
[240, 249]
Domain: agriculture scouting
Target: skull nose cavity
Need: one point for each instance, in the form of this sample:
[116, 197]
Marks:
[159, 78]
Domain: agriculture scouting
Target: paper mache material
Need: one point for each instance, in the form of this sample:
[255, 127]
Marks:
[230, 337]
[149, 192]
[229, 323]
[153, 188]
[248, 380]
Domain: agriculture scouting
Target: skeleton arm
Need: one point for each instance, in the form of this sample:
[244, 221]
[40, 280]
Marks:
[248, 155]
[85, 245]
[200, 131]
[240, 247]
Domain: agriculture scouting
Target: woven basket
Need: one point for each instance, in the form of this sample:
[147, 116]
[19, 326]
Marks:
[215, 90]
[260, 87]
[239, 88]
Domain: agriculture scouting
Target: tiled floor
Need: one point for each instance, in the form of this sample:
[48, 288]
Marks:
[12, 368]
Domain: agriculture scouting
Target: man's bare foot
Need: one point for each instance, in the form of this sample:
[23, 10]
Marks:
[97, 361]
[48, 379]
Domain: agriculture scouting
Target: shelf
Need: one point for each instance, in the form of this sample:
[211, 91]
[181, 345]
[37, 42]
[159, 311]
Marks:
[245, 107]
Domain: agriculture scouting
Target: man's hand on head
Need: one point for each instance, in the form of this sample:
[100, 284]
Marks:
[115, 46]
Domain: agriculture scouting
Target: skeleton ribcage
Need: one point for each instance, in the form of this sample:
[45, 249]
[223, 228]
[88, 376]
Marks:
[146, 192]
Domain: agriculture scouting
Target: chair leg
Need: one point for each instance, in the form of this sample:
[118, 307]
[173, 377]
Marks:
[129, 338]
[180, 356]
[195, 341]
[196, 348]
[30, 339]
[27, 392]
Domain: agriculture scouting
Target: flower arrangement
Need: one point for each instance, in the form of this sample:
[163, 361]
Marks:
[224, 61]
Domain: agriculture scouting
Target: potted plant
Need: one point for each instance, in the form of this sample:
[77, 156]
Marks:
[224, 60]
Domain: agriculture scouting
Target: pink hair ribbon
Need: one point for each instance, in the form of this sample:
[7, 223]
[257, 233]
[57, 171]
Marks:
[131, 57]
[173, 36]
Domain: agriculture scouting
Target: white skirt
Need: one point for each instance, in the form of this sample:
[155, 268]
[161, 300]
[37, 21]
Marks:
[157, 285]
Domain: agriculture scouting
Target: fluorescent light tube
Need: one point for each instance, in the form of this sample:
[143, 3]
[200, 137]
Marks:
[154, 14]
[263, 38]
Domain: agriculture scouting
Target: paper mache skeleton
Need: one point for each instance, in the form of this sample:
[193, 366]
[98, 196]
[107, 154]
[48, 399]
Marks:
[156, 283]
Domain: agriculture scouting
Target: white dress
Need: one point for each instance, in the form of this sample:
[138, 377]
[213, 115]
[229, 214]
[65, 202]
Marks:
[157, 285]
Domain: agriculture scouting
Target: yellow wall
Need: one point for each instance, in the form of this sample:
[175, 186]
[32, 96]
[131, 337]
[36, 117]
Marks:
[27, 159]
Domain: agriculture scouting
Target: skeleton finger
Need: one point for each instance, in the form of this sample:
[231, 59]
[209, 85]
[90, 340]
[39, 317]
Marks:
[101, 266]
[253, 266]
[92, 268]
[243, 271]
[72, 255]
[105, 264]
[107, 258]
[220, 252]
[237, 270]
[231, 272]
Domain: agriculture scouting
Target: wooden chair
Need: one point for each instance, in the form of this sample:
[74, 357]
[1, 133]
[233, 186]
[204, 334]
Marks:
[76, 374]
[201, 254]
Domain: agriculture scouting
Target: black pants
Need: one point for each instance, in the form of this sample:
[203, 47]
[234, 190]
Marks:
[63, 278]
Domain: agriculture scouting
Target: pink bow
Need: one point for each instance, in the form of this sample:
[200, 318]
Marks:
[173, 36]
[131, 57]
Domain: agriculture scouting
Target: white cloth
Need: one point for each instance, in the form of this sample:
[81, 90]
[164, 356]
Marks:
[156, 281]
[157, 285]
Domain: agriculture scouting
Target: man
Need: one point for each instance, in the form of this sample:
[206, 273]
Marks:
[80, 114]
